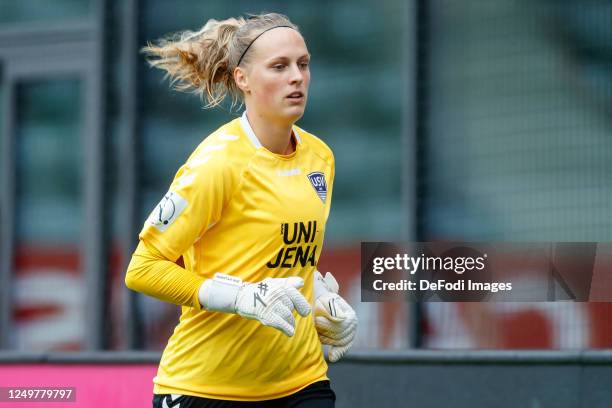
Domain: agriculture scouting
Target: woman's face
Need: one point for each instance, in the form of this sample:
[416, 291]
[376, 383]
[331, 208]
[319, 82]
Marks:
[276, 78]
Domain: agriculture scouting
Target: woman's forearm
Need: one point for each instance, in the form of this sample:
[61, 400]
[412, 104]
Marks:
[150, 273]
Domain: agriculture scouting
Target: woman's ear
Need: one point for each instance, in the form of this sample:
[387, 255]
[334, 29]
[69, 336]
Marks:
[241, 80]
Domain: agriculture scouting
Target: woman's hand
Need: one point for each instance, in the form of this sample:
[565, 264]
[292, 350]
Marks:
[270, 301]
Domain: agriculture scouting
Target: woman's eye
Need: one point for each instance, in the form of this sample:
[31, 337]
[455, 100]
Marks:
[304, 65]
[278, 67]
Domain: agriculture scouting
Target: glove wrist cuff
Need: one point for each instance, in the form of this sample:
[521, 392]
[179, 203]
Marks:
[220, 294]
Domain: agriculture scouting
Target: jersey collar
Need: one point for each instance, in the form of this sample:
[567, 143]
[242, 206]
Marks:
[253, 137]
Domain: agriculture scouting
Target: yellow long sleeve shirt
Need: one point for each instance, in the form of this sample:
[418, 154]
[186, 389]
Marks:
[237, 208]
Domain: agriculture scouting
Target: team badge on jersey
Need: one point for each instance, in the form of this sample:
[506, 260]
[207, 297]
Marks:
[168, 210]
[317, 179]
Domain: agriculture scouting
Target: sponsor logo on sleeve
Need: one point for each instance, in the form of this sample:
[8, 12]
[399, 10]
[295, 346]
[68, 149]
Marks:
[167, 211]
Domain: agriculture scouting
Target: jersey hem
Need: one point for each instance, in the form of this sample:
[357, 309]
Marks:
[184, 389]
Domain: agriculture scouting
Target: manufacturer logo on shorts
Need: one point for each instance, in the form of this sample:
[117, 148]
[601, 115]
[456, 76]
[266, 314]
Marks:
[172, 401]
[317, 179]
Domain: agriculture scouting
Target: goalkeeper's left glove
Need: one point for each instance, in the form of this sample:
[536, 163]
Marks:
[335, 320]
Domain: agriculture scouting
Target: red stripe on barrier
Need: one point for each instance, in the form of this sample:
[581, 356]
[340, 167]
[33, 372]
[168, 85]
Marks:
[31, 259]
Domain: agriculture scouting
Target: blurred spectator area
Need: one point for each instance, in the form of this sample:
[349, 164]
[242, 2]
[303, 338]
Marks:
[517, 147]
[149, 131]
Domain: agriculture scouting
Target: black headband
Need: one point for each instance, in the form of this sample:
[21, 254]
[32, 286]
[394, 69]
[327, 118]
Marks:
[259, 35]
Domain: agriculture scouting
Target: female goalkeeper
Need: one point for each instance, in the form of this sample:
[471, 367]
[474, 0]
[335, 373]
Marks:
[237, 238]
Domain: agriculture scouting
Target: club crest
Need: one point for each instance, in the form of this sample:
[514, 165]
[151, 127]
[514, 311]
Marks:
[317, 179]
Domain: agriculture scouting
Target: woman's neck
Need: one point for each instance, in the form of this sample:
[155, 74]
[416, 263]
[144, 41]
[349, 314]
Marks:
[273, 136]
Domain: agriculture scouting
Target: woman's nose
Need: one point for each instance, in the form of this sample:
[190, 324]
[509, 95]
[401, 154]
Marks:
[297, 76]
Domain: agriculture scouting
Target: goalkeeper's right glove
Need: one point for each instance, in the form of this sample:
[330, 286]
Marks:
[270, 301]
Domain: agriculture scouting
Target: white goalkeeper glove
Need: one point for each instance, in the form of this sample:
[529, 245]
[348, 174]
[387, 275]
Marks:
[270, 301]
[335, 320]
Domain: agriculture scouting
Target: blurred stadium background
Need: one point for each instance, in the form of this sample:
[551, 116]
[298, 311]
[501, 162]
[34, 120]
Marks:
[450, 120]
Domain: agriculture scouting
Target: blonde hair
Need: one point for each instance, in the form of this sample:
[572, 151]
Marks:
[203, 62]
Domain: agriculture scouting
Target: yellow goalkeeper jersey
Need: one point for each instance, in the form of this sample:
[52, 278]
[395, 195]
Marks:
[237, 208]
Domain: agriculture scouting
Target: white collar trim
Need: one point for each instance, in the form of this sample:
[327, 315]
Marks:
[297, 136]
[244, 121]
[249, 131]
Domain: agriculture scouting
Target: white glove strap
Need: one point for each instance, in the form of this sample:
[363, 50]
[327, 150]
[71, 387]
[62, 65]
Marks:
[324, 285]
[219, 294]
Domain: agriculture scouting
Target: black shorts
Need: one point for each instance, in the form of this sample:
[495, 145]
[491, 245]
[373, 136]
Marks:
[317, 395]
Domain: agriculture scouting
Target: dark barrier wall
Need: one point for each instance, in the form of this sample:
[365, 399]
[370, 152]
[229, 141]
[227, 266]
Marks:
[408, 379]
[475, 379]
